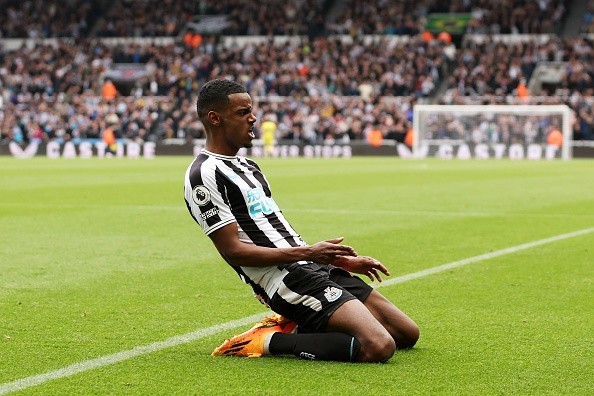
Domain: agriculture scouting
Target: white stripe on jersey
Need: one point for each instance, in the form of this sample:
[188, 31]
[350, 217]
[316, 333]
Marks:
[269, 278]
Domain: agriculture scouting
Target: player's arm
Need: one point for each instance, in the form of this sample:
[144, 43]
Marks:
[226, 240]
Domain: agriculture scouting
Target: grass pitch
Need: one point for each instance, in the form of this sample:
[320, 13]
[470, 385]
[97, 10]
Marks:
[98, 257]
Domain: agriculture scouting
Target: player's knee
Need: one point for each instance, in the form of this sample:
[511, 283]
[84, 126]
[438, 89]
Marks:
[409, 337]
[378, 350]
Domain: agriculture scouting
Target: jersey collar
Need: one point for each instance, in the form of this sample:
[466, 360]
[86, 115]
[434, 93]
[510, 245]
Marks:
[211, 154]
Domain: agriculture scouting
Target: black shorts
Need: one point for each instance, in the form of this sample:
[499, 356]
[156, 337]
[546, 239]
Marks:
[310, 293]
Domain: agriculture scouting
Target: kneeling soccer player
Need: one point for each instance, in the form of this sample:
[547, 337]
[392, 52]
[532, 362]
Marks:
[321, 310]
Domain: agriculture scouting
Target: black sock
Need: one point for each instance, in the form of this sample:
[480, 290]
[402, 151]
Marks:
[316, 346]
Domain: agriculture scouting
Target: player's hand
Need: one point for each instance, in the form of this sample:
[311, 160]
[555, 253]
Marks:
[326, 252]
[363, 265]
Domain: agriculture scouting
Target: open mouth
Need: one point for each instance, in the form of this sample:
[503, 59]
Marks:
[251, 132]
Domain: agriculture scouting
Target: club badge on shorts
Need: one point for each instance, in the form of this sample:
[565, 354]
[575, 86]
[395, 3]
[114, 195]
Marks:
[332, 293]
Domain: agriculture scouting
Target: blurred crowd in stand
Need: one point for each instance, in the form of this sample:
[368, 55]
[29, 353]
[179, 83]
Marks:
[49, 18]
[152, 18]
[484, 127]
[318, 88]
[497, 73]
[63, 78]
[588, 19]
[169, 17]
[487, 16]
[497, 68]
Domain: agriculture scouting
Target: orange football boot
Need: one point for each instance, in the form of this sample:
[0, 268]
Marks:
[251, 342]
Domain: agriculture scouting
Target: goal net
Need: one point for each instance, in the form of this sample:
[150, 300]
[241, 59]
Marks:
[492, 131]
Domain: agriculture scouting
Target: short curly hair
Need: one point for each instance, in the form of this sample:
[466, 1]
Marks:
[216, 93]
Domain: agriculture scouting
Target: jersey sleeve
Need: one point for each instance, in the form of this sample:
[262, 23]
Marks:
[205, 201]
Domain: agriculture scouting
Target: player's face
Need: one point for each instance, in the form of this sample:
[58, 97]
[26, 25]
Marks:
[238, 122]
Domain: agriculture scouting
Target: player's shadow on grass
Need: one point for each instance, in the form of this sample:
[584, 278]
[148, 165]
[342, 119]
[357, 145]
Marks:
[396, 359]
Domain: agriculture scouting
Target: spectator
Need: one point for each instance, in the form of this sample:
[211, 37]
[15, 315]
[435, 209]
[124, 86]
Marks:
[109, 139]
[109, 90]
[522, 89]
[555, 137]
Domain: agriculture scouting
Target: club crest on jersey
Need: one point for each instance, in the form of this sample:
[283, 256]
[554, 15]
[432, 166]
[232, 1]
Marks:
[332, 293]
[201, 195]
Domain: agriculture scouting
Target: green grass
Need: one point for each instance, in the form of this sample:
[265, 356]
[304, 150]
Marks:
[100, 256]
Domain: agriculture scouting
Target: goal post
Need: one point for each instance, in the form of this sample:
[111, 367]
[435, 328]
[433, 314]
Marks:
[492, 131]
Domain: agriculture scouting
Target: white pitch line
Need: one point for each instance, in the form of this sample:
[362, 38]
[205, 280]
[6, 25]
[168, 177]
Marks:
[107, 360]
[482, 257]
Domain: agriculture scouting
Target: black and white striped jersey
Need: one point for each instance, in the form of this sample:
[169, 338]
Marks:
[220, 190]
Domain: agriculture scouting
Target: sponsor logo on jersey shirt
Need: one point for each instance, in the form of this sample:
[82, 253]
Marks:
[258, 203]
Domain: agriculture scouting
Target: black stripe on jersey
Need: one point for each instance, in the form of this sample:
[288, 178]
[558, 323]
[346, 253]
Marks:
[253, 163]
[280, 228]
[194, 174]
[241, 212]
[240, 173]
[259, 176]
[221, 179]
[195, 177]
[272, 218]
[190, 210]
